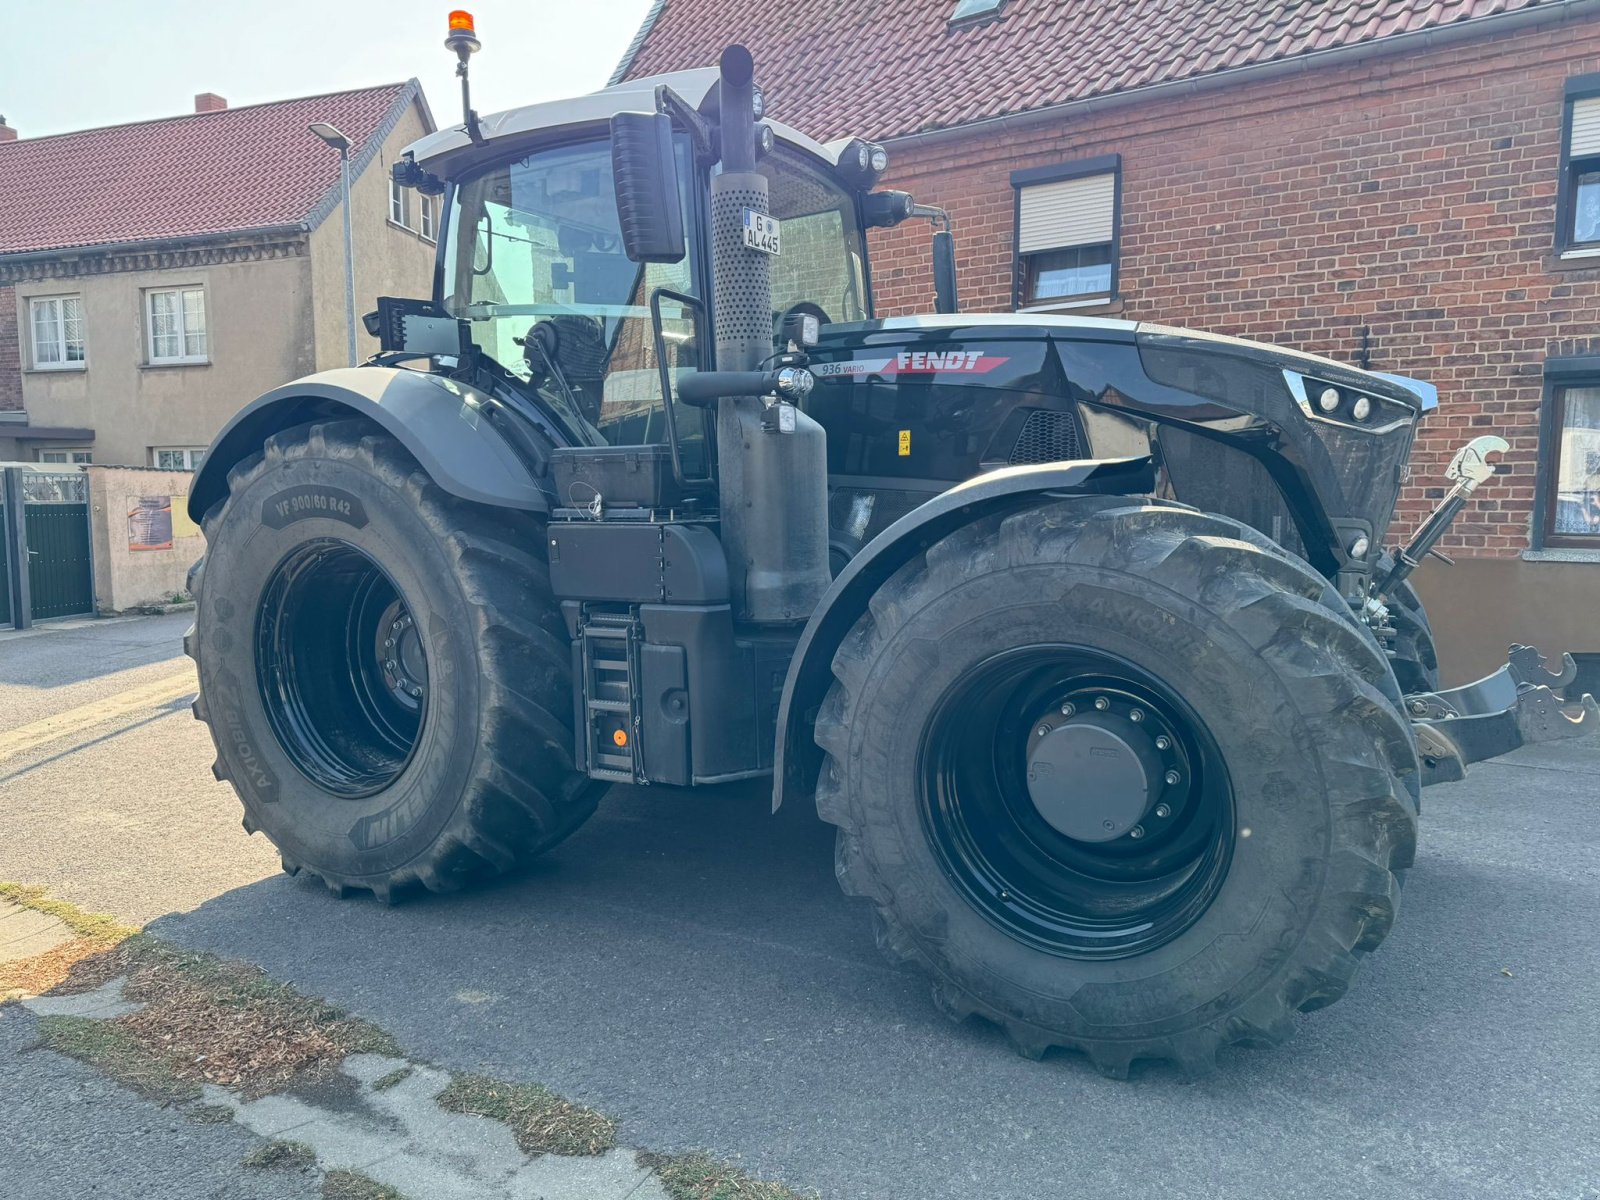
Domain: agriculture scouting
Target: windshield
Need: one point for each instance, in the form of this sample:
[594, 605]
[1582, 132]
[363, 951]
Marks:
[536, 262]
[821, 262]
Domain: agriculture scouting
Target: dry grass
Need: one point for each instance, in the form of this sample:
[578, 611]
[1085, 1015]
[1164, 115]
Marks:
[209, 1114]
[542, 1122]
[95, 933]
[211, 1020]
[120, 1055]
[698, 1176]
[286, 1156]
[393, 1079]
[353, 1185]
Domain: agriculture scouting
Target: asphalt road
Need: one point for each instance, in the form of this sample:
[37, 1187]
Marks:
[687, 964]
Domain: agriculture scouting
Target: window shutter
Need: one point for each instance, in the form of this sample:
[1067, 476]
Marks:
[1070, 212]
[1585, 128]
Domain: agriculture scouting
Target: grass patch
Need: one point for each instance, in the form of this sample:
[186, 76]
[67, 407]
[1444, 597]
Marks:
[286, 1156]
[393, 1079]
[353, 1185]
[114, 1051]
[542, 1122]
[94, 934]
[698, 1176]
[209, 1114]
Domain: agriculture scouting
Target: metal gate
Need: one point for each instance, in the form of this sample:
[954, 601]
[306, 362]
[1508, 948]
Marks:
[5, 562]
[52, 538]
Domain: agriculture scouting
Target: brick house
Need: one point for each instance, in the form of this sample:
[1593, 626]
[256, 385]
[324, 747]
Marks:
[155, 277]
[1406, 184]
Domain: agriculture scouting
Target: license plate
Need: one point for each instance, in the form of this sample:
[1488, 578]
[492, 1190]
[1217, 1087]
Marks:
[760, 231]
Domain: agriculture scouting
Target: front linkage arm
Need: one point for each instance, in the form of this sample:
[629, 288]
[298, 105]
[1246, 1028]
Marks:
[1516, 706]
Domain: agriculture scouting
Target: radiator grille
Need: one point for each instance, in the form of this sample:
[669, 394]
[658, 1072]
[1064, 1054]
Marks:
[1046, 437]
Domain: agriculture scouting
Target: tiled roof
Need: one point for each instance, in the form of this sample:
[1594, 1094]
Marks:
[196, 175]
[889, 67]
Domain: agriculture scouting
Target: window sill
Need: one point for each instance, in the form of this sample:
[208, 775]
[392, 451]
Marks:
[1585, 259]
[69, 369]
[165, 365]
[1568, 554]
[416, 233]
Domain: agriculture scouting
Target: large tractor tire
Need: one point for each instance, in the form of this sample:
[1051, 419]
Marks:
[1412, 653]
[1120, 776]
[383, 668]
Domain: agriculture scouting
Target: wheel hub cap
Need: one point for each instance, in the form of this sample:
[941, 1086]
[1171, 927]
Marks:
[1092, 780]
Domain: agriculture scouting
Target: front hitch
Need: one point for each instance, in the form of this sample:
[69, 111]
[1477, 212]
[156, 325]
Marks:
[1519, 705]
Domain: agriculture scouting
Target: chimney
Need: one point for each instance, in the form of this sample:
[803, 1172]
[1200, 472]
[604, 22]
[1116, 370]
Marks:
[7, 134]
[209, 102]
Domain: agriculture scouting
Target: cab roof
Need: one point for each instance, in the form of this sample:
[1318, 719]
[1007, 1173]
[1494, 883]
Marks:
[441, 152]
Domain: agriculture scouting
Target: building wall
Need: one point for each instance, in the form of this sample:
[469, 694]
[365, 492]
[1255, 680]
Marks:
[126, 578]
[390, 260]
[10, 354]
[1411, 194]
[258, 335]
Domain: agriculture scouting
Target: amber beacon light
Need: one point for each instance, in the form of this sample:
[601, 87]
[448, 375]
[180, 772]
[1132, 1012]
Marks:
[463, 35]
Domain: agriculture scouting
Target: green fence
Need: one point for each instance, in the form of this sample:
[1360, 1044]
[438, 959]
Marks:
[54, 543]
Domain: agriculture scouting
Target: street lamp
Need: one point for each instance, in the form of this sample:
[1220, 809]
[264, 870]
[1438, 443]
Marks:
[339, 142]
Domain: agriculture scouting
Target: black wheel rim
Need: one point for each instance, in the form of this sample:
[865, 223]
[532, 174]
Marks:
[343, 675]
[1111, 898]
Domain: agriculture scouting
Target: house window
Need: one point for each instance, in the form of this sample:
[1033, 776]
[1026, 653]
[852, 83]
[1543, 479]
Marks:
[1578, 222]
[1067, 234]
[76, 457]
[399, 204]
[176, 319]
[176, 458]
[1572, 467]
[56, 323]
[425, 217]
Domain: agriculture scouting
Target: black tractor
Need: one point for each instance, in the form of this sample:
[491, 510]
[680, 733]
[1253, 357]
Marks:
[1082, 632]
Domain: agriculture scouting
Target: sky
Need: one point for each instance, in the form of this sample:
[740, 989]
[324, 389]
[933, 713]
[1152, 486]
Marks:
[78, 64]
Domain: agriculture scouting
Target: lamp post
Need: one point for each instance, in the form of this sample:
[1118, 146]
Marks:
[339, 142]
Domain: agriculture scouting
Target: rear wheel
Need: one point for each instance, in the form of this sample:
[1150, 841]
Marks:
[382, 667]
[1121, 777]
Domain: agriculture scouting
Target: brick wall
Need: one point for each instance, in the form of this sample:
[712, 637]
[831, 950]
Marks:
[1414, 195]
[10, 353]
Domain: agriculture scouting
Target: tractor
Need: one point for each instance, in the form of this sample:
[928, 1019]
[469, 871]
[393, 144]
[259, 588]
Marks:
[1089, 636]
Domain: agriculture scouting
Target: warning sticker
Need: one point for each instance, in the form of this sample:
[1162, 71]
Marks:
[905, 443]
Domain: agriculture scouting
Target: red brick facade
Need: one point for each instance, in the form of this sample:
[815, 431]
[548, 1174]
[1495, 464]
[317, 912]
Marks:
[1412, 194]
[10, 353]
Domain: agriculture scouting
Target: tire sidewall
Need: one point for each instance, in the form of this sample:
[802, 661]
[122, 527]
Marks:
[1278, 869]
[294, 501]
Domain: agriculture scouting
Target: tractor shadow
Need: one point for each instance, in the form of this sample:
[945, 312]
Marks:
[687, 964]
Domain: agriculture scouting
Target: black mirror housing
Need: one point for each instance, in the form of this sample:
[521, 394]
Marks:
[944, 272]
[649, 204]
[884, 210]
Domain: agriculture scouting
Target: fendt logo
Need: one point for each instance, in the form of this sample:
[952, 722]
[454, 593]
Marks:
[914, 362]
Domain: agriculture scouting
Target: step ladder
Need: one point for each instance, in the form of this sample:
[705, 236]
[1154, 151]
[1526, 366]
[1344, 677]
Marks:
[610, 642]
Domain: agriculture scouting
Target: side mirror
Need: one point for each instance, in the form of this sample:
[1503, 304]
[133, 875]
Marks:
[944, 272]
[645, 172]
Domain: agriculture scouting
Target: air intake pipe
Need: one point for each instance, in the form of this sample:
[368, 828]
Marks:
[773, 484]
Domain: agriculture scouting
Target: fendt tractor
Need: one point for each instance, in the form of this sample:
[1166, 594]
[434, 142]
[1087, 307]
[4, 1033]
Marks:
[1083, 632]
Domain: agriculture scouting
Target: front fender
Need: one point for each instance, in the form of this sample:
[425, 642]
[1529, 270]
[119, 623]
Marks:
[796, 758]
[442, 423]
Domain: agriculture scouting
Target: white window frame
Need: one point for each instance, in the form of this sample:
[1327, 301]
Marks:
[185, 355]
[191, 457]
[66, 455]
[426, 218]
[399, 205]
[59, 325]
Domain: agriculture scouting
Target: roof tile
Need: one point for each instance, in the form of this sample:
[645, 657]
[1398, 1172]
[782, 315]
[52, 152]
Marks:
[204, 173]
[895, 66]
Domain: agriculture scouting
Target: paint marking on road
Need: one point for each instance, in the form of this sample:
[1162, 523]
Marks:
[75, 720]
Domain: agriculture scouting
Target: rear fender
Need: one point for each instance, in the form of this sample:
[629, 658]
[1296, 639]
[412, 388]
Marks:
[796, 759]
[446, 426]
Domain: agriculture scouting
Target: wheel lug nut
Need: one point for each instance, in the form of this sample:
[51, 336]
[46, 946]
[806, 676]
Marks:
[388, 643]
[1163, 742]
[1102, 703]
[1068, 709]
[1136, 715]
[1043, 729]
[1136, 832]
[1163, 810]
[1173, 777]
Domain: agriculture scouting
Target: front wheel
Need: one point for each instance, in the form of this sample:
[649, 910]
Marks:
[1121, 777]
[382, 667]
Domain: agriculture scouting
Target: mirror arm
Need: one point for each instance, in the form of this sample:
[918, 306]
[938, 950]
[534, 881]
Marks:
[691, 122]
[932, 212]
